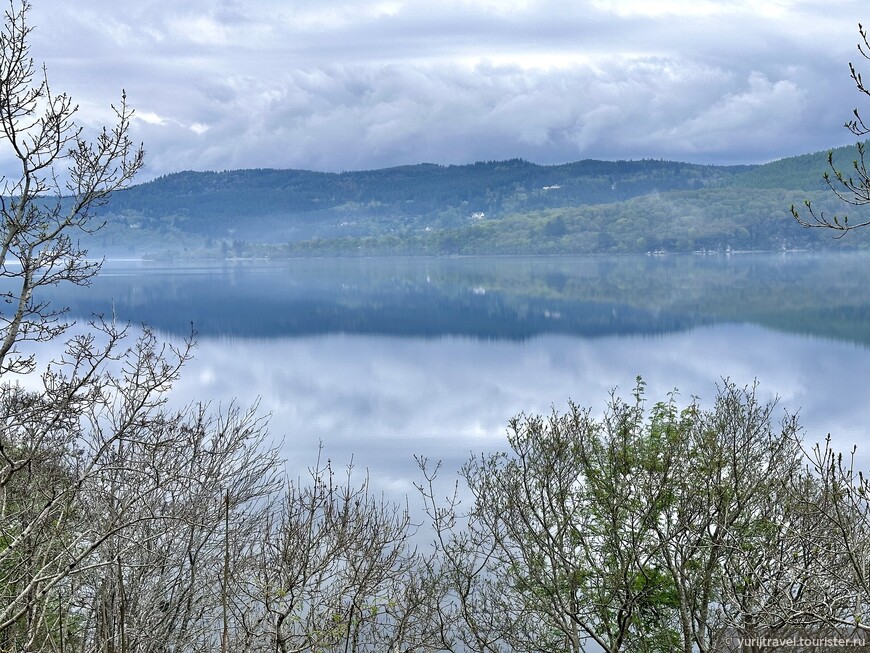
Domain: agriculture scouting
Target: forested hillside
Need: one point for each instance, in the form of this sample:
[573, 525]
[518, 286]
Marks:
[489, 207]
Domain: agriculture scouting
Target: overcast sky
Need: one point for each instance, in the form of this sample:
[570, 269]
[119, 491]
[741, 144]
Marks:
[353, 84]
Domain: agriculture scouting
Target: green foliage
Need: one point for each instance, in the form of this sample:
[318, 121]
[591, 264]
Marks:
[492, 208]
[619, 529]
[805, 172]
[725, 219]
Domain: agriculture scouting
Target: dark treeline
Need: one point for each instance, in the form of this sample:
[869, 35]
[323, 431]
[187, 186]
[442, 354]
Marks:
[490, 207]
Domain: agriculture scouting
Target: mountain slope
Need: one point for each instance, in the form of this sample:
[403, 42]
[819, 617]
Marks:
[489, 207]
[804, 172]
[278, 205]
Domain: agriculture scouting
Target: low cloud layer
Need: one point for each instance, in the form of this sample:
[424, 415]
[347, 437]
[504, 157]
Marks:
[339, 85]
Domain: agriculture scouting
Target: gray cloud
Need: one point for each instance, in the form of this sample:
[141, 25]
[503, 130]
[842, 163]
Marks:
[336, 85]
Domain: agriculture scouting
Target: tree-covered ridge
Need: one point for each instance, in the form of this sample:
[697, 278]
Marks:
[497, 186]
[804, 172]
[488, 207]
[712, 220]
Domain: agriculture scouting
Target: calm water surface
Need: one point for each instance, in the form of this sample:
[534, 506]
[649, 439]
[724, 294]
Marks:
[380, 359]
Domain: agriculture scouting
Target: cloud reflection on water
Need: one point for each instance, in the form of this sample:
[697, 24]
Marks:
[382, 400]
[384, 358]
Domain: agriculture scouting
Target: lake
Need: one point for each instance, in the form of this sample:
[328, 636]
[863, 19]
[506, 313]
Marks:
[381, 359]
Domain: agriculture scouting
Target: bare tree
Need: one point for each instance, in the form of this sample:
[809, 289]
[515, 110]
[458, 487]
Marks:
[337, 571]
[112, 507]
[161, 584]
[851, 185]
[127, 526]
[62, 178]
[480, 612]
[836, 585]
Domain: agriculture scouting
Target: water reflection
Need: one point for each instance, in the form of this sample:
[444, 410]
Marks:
[385, 399]
[382, 359]
[500, 298]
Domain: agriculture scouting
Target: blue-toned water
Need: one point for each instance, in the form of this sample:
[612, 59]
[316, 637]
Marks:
[381, 359]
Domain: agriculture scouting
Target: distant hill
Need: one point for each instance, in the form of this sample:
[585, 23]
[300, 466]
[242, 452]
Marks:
[804, 172]
[436, 209]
